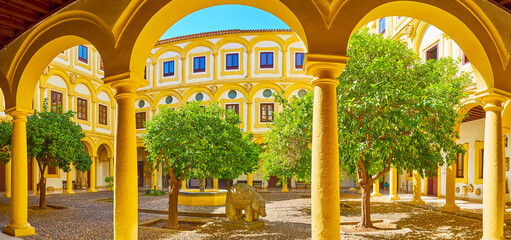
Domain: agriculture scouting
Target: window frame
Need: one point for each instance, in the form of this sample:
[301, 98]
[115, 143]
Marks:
[55, 107]
[140, 124]
[235, 105]
[199, 69]
[232, 67]
[165, 68]
[266, 53]
[100, 113]
[383, 29]
[426, 51]
[82, 108]
[81, 57]
[261, 113]
[299, 66]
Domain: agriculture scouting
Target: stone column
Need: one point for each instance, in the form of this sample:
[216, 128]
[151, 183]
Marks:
[284, 63]
[215, 183]
[376, 189]
[126, 182]
[450, 188]
[325, 208]
[250, 179]
[494, 177]
[8, 179]
[154, 176]
[111, 170]
[417, 198]
[393, 185]
[352, 185]
[183, 184]
[69, 187]
[249, 63]
[34, 176]
[19, 225]
[249, 117]
[92, 170]
[284, 188]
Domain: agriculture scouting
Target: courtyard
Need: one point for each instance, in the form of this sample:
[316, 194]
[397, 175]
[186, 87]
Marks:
[84, 217]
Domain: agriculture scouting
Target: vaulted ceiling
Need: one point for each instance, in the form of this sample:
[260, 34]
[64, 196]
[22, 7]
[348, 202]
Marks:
[16, 16]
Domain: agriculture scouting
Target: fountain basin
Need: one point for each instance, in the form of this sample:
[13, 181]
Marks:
[210, 197]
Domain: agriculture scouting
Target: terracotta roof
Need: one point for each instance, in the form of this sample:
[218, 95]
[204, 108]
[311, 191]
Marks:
[216, 33]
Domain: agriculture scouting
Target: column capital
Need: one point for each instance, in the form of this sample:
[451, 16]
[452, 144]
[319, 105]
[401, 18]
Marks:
[127, 82]
[18, 113]
[493, 96]
[325, 68]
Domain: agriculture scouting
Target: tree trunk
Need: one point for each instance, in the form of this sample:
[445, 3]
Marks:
[227, 184]
[173, 196]
[366, 207]
[42, 192]
[202, 185]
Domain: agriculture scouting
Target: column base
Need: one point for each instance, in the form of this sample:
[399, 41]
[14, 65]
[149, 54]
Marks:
[376, 194]
[450, 208]
[353, 189]
[417, 202]
[70, 192]
[7, 195]
[92, 190]
[394, 197]
[18, 232]
[285, 190]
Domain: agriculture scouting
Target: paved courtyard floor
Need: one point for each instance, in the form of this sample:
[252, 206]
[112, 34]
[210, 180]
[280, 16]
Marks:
[288, 218]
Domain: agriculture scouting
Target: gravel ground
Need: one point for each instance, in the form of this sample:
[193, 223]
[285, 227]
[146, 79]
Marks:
[288, 218]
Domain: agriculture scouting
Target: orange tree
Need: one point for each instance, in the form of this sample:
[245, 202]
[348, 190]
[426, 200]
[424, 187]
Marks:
[198, 141]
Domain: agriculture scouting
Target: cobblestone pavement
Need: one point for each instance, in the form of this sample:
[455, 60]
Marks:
[288, 218]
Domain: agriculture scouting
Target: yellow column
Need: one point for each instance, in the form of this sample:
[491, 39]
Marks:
[69, 187]
[215, 183]
[34, 176]
[8, 179]
[494, 177]
[111, 170]
[215, 66]
[249, 63]
[417, 199]
[325, 208]
[284, 188]
[92, 187]
[249, 116]
[155, 176]
[19, 225]
[250, 179]
[183, 184]
[450, 188]
[376, 189]
[284, 63]
[126, 182]
[183, 69]
[393, 185]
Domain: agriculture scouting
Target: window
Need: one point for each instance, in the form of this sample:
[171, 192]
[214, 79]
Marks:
[267, 112]
[199, 64]
[382, 25]
[432, 53]
[52, 170]
[81, 109]
[299, 60]
[145, 72]
[231, 61]
[168, 68]
[481, 164]
[103, 114]
[459, 165]
[83, 53]
[56, 101]
[140, 119]
[266, 60]
[235, 107]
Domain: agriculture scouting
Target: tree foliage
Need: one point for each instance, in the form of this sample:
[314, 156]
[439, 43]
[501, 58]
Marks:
[198, 141]
[287, 149]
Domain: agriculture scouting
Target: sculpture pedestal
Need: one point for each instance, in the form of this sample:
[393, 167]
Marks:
[241, 224]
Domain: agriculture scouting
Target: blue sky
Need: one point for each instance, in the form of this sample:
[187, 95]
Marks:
[222, 18]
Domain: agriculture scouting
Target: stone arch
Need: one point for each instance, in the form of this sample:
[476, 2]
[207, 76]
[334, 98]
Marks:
[271, 38]
[148, 20]
[261, 86]
[297, 86]
[199, 43]
[145, 97]
[231, 39]
[191, 91]
[171, 48]
[228, 87]
[88, 84]
[109, 147]
[108, 92]
[48, 39]
[90, 146]
[169, 92]
[55, 71]
[464, 21]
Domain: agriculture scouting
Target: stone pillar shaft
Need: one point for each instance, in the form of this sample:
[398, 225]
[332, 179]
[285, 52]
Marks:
[250, 179]
[394, 184]
[450, 188]
[19, 225]
[215, 183]
[325, 208]
[376, 189]
[494, 177]
[92, 187]
[417, 189]
[69, 186]
[284, 188]
[8, 179]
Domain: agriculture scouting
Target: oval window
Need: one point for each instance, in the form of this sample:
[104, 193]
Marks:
[267, 93]
[141, 104]
[232, 94]
[302, 93]
[199, 96]
[169, 100]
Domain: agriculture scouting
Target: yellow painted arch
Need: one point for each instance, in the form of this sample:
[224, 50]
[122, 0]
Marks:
[231, 39]
[108, 146]
[91, 147]
[191, 91]
[261, 86]
[295, 87]
[266, 37]
[169, 48]
[108, 91]
[88, 84]
[58, 72]
[141, 96]
[228, 87]
[169, 92]
[199, 43]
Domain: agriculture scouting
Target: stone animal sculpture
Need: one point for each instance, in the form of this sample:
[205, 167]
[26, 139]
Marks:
[244, 197]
